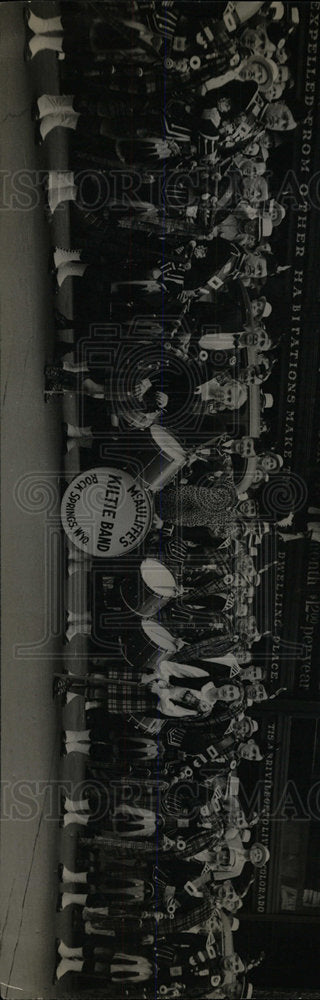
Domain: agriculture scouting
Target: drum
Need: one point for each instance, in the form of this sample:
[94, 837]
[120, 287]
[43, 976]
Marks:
[169, 458]
[148, 644]
[145, 593]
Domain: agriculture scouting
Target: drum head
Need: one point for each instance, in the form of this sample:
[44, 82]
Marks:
[159, 635]
[158, 578]
[166, 442]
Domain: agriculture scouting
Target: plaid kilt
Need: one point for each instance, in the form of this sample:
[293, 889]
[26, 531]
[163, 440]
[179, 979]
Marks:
[188, 847]
[120, 675]
[125, 697]
[184, 920]
[180, 848]
[111, 842]
[213, 646]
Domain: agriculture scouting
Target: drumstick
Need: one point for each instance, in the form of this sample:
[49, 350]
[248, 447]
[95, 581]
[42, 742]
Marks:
[265, 568]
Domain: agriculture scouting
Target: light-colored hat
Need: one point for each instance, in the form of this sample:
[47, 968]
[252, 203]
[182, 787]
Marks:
[274, 206]
[267, 310]
[253, 724]
[268, 400]
[246, 836]
[269, 66]
[265, 855]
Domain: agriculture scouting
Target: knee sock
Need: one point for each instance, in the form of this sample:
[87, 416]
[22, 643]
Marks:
[78, 432]
[43, 25]
[66, 952]
[69, 366]
[82, 805]
[72, 897]
[68, 876]
[62, 256]
[58, 120]
[75, 747]
[39, 43]
[79, 617]
[74, 269]
[78, 818]
[69, 965]
[51, 104]
[74, 736]
[70, 445]
[57, 195]
[74, 566]
[60, 179]
[80, 629]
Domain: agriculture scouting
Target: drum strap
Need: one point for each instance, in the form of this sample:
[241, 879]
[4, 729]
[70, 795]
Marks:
[203, 591]
[152, 726]
[221, 276]
[206, 647]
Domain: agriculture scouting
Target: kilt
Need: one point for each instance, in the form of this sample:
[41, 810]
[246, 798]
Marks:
[120, 675]
[213, 646]
[186, 919]
[122, 698]
[189, 847]
[111, 844]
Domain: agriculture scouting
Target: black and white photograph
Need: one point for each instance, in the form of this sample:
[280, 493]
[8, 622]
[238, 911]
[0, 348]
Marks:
[160, 327]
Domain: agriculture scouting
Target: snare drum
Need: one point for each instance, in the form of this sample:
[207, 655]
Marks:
[151, 589]
[168, 458]
[148, 644]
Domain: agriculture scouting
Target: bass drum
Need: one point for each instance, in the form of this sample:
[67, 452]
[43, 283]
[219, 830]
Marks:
[147, 644]
[169, 457]
[150, 589]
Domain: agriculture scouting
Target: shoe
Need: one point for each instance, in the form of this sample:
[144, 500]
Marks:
[63, 486]
[35, 114]
[26, 17]
[55, 979]
[62, 806]
[59, 685]
[65, 438]
[57, 961]
[47, 211]
[45, 184]
[27, 54]
[37, 135]
[51, 264]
